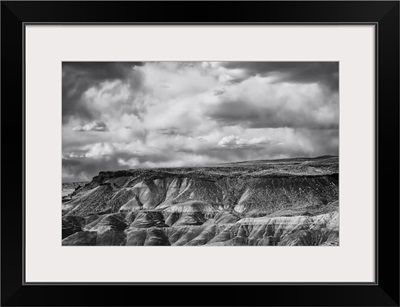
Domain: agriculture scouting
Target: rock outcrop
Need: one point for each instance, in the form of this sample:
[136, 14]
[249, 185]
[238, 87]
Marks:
[280, 202]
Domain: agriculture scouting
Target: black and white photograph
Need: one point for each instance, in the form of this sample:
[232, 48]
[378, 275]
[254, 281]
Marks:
[200, 153]
[200, 150]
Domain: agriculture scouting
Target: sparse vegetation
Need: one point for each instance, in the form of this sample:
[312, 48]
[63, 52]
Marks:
[245, 203]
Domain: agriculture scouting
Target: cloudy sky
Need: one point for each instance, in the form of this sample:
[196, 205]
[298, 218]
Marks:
[122, 115]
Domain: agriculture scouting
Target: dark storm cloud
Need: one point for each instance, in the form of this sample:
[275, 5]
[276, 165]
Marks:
[77, 77]
[265, 116]
[171, 132]
[325, 73]
[315, 143]
[85, 168]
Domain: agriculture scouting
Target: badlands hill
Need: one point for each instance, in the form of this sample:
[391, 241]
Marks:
[69, 187]
[269, 202]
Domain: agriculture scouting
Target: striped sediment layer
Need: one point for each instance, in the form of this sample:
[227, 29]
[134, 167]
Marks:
[284, 202]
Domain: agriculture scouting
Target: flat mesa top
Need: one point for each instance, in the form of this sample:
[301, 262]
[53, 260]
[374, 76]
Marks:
[320, 166]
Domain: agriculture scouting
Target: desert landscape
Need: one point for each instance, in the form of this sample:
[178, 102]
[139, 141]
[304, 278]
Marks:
[286, 202]
[200, 153]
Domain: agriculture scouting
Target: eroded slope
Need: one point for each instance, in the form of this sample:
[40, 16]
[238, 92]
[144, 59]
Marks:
[281, 202]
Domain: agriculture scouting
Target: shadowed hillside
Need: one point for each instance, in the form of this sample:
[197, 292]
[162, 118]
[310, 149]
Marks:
[269, 202]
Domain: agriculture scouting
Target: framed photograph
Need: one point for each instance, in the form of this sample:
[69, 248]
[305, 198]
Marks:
[249, 151]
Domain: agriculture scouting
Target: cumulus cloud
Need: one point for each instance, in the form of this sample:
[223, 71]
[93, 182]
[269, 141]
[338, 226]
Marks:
[258, 102]
[92, 126]
[99, 150]
[170, 114]
[132, 162]
[238, 142]
[78, 77]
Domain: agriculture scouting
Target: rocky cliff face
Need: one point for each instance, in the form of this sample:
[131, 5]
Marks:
[281, 202]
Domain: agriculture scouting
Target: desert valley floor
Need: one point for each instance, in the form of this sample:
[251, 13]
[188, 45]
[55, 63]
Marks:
[286, 202]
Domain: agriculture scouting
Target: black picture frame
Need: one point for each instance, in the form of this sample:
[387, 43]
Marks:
[383, 14]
